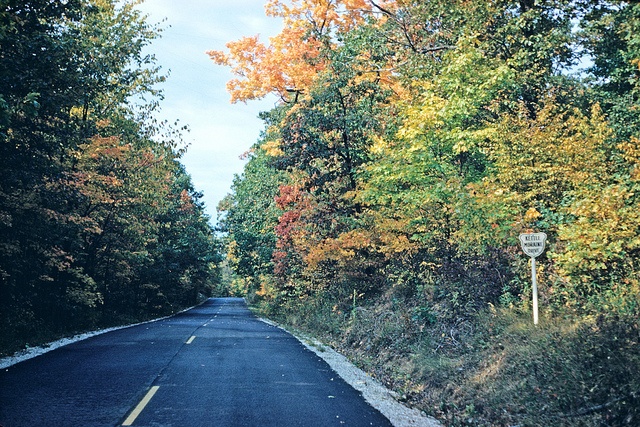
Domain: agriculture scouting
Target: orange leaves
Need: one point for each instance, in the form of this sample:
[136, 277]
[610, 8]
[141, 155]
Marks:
[291, 60]
[109, 147]
[287, 65]
[392, 235]
[340, 249]
[186, 202]
[108, 172]
[58, 259]
[95, 174]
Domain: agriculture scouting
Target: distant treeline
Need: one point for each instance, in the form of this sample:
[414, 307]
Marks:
[99, 221]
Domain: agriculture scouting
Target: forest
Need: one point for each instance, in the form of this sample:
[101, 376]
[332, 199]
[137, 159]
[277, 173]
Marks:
[413, 143]
[100, 224]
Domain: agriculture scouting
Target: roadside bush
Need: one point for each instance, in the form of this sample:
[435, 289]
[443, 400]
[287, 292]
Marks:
[561, 373]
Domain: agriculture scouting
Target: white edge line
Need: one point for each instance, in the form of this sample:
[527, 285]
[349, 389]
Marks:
[376, 394]
[30, 353]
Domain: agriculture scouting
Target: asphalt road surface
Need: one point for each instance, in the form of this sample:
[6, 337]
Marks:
[215, 365]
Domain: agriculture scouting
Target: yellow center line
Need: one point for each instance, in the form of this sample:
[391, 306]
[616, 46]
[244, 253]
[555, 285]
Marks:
[190, 340]
[132, 417]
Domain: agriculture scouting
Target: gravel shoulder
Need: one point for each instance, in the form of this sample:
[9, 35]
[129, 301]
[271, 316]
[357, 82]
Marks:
[31, 352]
[373, 391]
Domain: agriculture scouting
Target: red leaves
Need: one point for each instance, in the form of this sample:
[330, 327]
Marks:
[287, 224]
[288, 195]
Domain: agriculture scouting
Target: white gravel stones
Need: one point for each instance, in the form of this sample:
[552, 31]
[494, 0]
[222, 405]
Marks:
[375, 393]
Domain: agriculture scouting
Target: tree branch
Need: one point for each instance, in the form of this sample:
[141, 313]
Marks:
[595, 408]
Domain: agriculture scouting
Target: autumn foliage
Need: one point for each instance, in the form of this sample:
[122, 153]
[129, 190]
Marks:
[99, 222]
[288, 65]
[414, 143]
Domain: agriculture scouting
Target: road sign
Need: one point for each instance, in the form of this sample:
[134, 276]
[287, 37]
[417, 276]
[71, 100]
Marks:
[533, 243]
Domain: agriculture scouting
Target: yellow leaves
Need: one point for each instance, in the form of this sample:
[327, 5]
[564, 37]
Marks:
[450, 108]
[604, 232]
[103, 123]
[464, 140]
[425, 116]
[544, 158]
[268, 289]
[631, 154]
[378, 146]
[232, 251]
[273, 148]
[341, 249]
[531, 215]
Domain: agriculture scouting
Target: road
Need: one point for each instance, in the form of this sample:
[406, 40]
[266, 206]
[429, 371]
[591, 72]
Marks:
[214, 365]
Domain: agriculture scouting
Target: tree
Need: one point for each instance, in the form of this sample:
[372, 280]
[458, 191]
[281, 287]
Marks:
[83, 175]
[288, 65]
[609, 35]
[249, 216]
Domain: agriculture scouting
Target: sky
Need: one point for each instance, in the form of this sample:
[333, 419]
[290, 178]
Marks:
[195, 91]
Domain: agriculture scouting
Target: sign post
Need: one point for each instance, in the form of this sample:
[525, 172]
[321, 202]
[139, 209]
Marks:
[533, 245]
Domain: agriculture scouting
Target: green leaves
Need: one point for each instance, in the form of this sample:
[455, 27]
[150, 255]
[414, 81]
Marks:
[249, 216]
[435, 133]
[98, 219]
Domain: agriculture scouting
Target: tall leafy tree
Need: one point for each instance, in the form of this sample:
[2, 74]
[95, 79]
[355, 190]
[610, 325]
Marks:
[92, 199]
